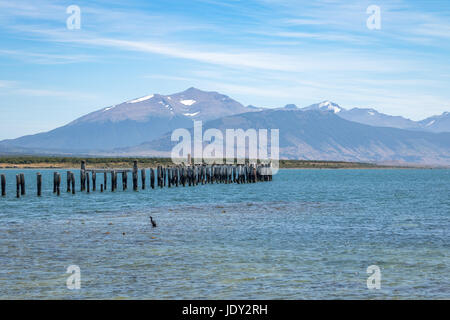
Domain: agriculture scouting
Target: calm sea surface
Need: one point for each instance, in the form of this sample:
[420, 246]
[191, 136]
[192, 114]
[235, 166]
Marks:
[307, 234]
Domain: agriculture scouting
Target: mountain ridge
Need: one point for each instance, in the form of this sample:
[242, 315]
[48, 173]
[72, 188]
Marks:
[146, 119]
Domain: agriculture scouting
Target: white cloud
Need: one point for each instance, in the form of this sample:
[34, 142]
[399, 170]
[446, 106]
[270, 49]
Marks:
[46, 58]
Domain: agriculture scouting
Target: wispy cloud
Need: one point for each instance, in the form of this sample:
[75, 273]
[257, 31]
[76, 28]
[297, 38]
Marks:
[15, 88]
[46, 58]
[265, 52]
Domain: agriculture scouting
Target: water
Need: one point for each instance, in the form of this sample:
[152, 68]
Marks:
[308, 234]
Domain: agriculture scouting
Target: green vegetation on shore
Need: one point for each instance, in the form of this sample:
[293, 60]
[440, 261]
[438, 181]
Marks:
[74, 162]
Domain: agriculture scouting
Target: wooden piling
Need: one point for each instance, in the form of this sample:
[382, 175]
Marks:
[83, 176]
[94, 181]
[163, 176]
[152, 178]
[72, 180]
[54, 182]
[105, 180]
[88, 187]
[68, 180]
[135, 176]
[143, 176]
[58, 184]
[112, 181]
[169, 177]
[39, 184]
[22, 184]
[3, 184]
[17, 186]
[101, 187]
[160, 177]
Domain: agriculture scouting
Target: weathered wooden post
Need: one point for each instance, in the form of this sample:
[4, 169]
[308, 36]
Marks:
[22, 184]
[195, 175]
[58, 184]
[183, 176]
[72, 180]
[54, 182]
[112, 180]
[105, 180]
[88, 187]
[39, 184]
[3, 184]
[94, 181]
[152, 178]
[68, 180]
[189, 176]
[169, 177]
[101, 187]
[159, 176]
[83, 175]
[135, 176]
[143, 178]
[17, 186]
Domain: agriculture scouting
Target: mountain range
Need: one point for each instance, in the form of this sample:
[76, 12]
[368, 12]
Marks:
[324, 131]
[372, 117]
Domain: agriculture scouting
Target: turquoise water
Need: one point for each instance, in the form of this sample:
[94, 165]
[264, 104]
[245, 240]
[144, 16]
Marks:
[308, 234]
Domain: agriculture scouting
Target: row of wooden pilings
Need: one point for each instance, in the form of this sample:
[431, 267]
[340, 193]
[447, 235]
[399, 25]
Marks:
[161, 177]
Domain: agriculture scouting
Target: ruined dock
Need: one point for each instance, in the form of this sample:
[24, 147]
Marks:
[102, 180]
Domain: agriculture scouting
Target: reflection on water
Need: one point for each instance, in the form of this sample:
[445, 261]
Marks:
[307, 234]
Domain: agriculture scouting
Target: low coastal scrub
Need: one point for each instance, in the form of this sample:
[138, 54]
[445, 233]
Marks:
[74, 162]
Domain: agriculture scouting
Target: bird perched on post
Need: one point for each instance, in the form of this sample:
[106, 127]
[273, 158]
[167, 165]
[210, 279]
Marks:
[153, 222]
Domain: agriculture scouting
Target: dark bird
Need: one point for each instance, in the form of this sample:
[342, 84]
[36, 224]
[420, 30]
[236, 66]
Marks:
[153, 222]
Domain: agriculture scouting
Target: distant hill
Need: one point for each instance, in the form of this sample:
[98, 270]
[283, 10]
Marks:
[372, 117]
[324, 135]
[437, 123]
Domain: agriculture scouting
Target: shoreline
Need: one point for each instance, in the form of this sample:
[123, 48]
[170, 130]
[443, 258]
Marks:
[58, 166]
[70, 163]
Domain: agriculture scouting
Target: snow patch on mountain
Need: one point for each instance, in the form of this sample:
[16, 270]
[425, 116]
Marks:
[108, 108]
[191, 114]
[141, 99]
[330, 106]
[187, 102]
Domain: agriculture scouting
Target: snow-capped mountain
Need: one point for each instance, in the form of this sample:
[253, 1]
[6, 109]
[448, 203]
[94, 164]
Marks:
[325, 130]
[316, 134]
[192, 103]
[374, 118]
[437, 123]
[325, 106]
[133, 122]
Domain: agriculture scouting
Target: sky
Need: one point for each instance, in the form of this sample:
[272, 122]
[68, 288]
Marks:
[265, 53]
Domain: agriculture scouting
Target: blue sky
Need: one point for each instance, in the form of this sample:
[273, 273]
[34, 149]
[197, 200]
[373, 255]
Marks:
[266, 53]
